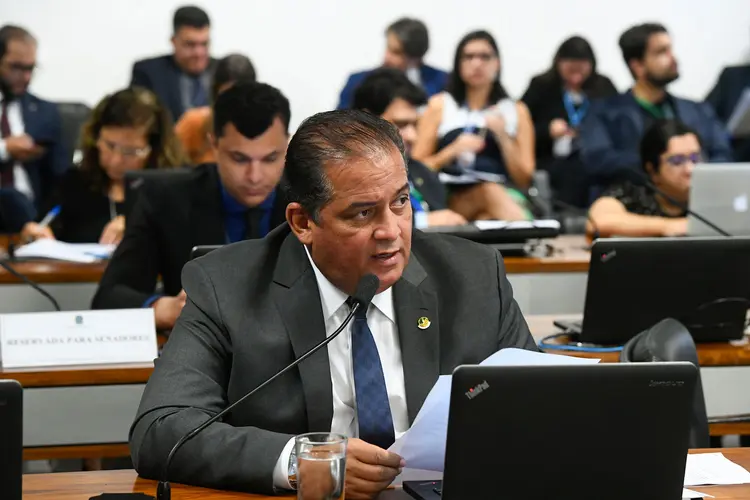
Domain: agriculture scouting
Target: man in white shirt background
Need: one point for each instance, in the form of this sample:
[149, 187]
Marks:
[254, 307]
[32, 158]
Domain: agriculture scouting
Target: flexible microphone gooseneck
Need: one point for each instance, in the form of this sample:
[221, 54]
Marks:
[31, 283]
[643, 180]
[366, 289]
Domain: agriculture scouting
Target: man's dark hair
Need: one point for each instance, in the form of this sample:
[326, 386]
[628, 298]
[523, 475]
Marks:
[634, 42]
[231, 69]
[251, 107]
[412, 33]
[8, 33]
[190, 16]
[655, 141]
[333, 138]
[383, 86]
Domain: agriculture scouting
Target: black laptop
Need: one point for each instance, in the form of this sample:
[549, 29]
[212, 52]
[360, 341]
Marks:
[634, 283]
[11, 439]
[604, 431]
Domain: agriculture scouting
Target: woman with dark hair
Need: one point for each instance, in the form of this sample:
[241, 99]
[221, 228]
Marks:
[558, 99]
[194, 127]
[474, 124]
[669, 152]
[128, 130]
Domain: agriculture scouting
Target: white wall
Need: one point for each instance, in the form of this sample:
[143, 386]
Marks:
[307, 47]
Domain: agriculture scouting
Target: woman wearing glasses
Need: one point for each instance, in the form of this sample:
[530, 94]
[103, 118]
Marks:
[669, 151]
[474, 125]
[128, 130]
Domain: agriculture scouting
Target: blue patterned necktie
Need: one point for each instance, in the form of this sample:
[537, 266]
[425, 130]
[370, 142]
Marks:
[373, 408]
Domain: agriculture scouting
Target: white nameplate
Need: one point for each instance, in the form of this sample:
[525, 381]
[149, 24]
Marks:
[77, 338]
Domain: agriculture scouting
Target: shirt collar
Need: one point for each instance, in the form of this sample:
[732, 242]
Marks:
[232, 206]
[331, 298]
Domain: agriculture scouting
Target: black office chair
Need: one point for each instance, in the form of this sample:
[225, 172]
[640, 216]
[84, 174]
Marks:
[670, 340]
[73, 116]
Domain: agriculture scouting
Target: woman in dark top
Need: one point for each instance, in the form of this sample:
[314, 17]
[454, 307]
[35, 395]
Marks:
[128, 130]
[558, 100]
[669, 150]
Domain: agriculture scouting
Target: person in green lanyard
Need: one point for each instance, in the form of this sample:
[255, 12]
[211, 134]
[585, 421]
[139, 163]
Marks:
[611, 132]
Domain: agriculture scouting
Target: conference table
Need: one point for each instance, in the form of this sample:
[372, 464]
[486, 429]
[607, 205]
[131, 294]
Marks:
[83, 485]
[550, 282]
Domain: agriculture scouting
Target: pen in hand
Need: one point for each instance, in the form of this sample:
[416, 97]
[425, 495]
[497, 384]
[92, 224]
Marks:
[50, 216]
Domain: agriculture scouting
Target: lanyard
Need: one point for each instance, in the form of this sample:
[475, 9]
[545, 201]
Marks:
[417, 200]
[575, 116]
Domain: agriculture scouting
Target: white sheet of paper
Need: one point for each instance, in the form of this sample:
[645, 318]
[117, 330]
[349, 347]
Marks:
[689, 494]
[423, 445]
[484, 225]
[739, 123]
[713, 469]
[71, 252]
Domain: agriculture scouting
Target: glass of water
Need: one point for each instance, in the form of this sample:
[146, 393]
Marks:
[321, 466]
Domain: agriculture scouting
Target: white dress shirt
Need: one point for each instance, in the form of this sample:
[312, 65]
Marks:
[20, 178]
[381, 319]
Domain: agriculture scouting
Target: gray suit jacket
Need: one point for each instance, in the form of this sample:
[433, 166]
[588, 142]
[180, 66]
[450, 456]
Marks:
[253, 307]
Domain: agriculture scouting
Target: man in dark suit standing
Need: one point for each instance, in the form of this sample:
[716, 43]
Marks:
[725, 96]
[32, 156]
[254, 307]
[237, 198]
[407, 42]
[181, 79]
[611, 131]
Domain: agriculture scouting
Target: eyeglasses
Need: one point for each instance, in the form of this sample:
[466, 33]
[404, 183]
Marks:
[21, 68]
[482, 56]
[681, 160]
[126, 151]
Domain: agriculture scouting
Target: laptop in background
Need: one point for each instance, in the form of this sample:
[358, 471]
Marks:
[604, 431]
[633, 283]
[11, 440]
[720, 192]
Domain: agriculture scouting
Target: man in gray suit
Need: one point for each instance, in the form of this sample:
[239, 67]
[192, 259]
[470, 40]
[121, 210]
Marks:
[254, 307]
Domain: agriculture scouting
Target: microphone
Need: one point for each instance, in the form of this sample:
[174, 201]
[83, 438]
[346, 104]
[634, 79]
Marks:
[366, 289]
[641, 179]
[567, 206]
[31, 283]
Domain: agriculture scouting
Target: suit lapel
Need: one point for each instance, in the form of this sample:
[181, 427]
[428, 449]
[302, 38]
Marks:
[298, 301]
[636, 116]
[206, 218]
[420, 346]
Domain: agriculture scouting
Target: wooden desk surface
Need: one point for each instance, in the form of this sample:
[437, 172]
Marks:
[735, 353]
[83, 485]
[71, 376]
[569, 254]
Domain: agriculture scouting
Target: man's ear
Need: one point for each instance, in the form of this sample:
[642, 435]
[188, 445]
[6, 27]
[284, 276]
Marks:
[300, 222]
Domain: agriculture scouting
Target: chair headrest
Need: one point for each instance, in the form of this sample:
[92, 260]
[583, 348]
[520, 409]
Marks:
[667, 340]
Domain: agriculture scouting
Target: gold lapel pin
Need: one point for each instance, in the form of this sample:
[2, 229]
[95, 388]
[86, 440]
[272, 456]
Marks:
[423, 323]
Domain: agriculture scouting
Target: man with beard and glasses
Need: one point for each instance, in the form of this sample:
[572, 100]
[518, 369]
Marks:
[32, 158]
[612, 130]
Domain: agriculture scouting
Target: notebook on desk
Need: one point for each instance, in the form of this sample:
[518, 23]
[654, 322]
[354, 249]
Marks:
[541, 432]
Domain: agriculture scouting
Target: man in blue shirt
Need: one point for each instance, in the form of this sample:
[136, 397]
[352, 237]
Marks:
[235, 199]
[407, 42]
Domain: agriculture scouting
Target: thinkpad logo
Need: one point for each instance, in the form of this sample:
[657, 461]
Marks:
[477, 390]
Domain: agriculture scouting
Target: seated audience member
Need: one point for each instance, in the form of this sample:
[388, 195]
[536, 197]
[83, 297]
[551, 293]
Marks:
[407, 42]
[194, 127]
[558, 99]
[474, 124]
[181, 79]
[389, 94]
[725, 96]
[669, 151]
[128, 130]
[235, 199]
[612, 129]
[32, 156]
[255, 306]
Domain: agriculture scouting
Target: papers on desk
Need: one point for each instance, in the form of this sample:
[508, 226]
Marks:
[690, 494]
[739, 123]
[423, 445]
[468, 176]
[488, 225]
[71, 252]
[713, 469]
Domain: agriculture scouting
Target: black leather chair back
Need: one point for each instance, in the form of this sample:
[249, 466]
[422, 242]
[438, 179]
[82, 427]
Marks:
[670, 340]
[73, 116]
